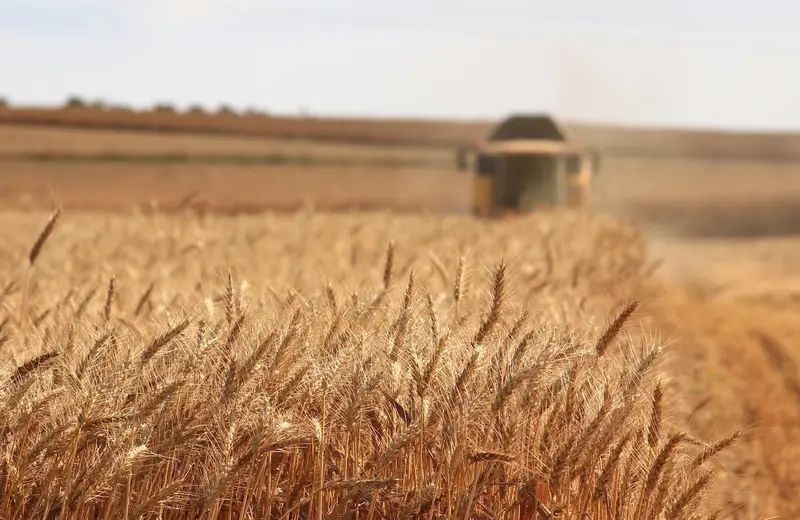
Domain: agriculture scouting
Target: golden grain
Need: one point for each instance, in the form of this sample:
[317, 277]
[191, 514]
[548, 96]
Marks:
[288, 400]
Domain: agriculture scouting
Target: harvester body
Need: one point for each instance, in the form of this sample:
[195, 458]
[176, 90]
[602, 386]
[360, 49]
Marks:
[520, 174]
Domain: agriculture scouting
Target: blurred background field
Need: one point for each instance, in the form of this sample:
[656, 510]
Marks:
[686, 182]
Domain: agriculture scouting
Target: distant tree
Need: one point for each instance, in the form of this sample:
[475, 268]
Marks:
[121, 108]
[164, 107]
[75, 102]
[4, 103]
[256, 112]
[225, 109]
[196, 109]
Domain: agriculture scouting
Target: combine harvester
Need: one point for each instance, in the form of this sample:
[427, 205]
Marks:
[527, 163]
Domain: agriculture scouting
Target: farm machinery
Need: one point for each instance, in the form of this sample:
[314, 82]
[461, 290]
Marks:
[527, 164]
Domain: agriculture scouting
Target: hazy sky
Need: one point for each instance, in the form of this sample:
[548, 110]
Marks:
[678, 62]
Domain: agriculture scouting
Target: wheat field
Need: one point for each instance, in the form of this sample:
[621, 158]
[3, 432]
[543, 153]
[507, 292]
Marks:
[409, 132]
[24, 141]
[347, 366]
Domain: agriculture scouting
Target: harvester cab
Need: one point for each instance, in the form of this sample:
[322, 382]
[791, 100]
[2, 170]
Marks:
[515, 173]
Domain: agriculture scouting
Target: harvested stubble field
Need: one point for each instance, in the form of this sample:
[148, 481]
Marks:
[107, 169]
[678, 196]
[344, 366]
[615, 140]
[702, 197]
[384, 132]
[98, 145]
[230, 187]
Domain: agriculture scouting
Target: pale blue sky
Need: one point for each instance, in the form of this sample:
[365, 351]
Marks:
[731, 64]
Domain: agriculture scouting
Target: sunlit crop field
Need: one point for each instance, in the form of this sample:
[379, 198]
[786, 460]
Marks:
[340, 366]
[161, 360]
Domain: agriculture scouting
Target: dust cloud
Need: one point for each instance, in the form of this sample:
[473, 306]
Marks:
[715, 184]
